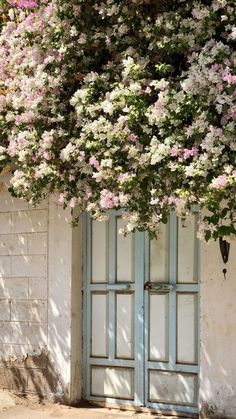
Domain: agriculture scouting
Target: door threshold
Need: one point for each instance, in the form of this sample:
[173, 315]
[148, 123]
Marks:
[160, 413]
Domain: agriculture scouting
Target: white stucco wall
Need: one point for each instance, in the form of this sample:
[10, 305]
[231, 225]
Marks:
[218, 332]
[23, 275]
[65, 300]
[40, 298]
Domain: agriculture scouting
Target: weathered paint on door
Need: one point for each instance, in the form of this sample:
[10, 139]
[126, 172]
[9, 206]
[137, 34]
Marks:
[141, 321]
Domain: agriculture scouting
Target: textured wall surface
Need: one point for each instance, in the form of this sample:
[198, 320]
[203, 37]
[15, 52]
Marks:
[23, 291]
[218, 333]
[40, 299]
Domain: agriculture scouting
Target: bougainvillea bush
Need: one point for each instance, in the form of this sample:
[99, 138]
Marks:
[122, 104]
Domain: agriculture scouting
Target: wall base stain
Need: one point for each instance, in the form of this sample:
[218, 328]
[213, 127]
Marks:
[33, 374]
[210, 411]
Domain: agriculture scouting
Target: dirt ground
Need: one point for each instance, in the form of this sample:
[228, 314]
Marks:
[13, 407]
[60, 412]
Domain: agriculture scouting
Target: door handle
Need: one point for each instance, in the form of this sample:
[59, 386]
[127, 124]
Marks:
[118, 287]
[155, 286]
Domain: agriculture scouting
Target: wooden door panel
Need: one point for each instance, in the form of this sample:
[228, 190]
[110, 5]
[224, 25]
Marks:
[99, 324]
[125, 325]
[187, 328]
[159, 326]
[112, 382]
[99, 266]
[124, 254]
[159, 256]
[172, 388]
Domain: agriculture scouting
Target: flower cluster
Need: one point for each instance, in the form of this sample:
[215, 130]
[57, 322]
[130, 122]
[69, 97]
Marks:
[115, 104]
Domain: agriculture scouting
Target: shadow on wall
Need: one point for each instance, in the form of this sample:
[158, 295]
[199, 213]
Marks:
[35, 297]
[25, 365]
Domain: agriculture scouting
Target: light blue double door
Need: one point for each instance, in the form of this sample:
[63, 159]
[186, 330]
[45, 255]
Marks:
[141, 315]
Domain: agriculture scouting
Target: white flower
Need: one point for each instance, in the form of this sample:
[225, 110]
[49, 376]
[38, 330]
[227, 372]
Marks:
[67, 151]
[107, 163]
[107, 107]
[11, 14]
[73, 31]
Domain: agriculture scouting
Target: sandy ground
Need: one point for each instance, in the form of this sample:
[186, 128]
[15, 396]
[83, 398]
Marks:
[13, 407]
[60, 412]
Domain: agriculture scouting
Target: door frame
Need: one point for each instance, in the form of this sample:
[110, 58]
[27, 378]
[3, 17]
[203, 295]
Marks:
[141, 270]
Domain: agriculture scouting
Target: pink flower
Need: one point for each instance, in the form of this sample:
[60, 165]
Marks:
[190, 152]
[123, 177]
[231, 114]
[132, 138]
[11, 149]
[61, 198]
[38, 173]
[73, 202]
[220, 182]
[21, 142]
[219, 131]
[230, 78]
[25, 118]
[27, 4]
[174, 151]
[94, 162]
[215, 67]
[108, 199]
[47, 155]
[18, 174]
[87, 194]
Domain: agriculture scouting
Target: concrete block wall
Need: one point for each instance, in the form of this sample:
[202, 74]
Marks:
[23, 292]
[40, 299]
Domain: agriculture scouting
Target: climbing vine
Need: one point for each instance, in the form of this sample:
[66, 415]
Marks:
[114, 104]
